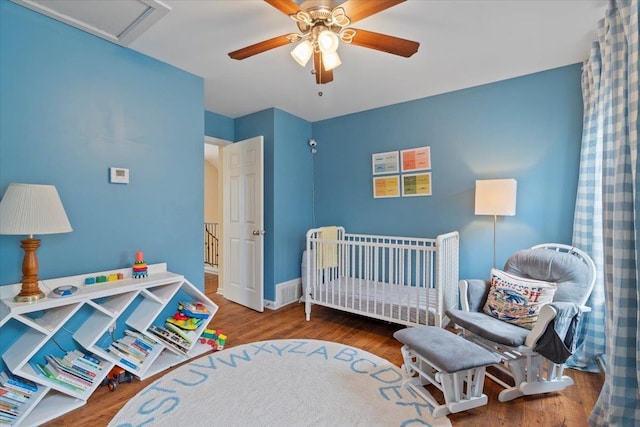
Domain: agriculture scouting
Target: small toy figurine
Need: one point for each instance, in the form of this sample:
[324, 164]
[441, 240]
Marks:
[139, 267]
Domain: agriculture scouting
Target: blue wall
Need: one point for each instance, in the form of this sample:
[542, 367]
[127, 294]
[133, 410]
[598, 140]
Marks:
[287, 190]
[219, 126]
[72, 106]
[527, 128]
[292, 193]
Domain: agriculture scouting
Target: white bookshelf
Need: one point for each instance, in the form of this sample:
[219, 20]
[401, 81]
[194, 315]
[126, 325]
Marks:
[103, 311]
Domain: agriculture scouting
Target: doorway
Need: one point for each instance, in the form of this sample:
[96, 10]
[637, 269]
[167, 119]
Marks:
[213, 208]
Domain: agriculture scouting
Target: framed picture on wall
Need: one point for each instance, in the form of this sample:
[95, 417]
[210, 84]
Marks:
[386, 186]
[416, 159]
[416, 184]
[385, 163]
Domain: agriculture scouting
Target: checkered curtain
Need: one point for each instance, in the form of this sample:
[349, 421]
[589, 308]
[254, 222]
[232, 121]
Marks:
[607, 214]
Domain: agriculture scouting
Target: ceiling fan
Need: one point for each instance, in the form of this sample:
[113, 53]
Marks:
[322, 23]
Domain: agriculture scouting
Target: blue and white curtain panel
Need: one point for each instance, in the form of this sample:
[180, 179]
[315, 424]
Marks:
[606, 222]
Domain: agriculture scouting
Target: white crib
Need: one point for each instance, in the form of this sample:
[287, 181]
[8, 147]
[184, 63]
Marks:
[410, 281]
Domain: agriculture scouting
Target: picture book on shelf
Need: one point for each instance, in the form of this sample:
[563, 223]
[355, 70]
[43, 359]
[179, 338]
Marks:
[43, 371]
[13, 395]
[124, 358]
[8, 379]
[67, 370]
[170, 338]
[82, 360]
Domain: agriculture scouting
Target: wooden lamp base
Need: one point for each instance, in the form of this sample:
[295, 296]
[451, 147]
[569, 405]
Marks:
[30, 291]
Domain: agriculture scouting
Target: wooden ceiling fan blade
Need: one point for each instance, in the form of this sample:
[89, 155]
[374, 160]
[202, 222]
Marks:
[322, 76]
[385, 43]
[263, 46]
[288, 7]
[360, 9]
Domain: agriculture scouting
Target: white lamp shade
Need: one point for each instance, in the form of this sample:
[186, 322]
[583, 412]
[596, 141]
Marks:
[302, 52]
[496, 197]
[328, 41]
[330, 61]
[28, 209]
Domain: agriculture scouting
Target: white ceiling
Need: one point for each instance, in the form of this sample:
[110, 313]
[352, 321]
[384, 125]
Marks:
[462, 44]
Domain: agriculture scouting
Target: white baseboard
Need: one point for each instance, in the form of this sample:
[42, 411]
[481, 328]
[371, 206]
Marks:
[286, 293]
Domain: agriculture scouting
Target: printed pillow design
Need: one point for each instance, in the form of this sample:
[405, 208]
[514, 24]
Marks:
[517, 300]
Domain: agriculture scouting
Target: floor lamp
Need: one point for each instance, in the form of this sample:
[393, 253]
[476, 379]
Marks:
[29, 209]
[496, 197]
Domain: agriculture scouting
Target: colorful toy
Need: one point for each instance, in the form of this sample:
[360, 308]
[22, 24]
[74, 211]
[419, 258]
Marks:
[194, 309]
[184, 322]
[215, 338]
[139, 267]
[116, 376]
[102, 279]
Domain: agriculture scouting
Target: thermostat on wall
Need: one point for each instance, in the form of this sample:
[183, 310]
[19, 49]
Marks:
[119, 175]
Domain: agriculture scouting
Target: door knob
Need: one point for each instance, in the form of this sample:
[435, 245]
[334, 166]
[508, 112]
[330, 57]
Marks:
[258, 232]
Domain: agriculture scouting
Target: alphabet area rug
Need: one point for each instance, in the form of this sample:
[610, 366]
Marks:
[281, 383]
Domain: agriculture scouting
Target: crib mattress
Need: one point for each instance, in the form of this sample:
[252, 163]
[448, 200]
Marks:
[378, 299]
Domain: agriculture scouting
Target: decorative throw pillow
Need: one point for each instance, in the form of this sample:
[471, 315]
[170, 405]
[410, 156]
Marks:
[517, 300]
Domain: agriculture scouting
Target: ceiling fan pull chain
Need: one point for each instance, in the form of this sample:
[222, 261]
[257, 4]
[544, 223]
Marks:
[320, 65]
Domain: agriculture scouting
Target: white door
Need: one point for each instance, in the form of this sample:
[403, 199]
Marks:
[243, 220]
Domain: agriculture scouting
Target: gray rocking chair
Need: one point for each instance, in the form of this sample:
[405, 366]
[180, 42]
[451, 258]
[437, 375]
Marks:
[534, 359]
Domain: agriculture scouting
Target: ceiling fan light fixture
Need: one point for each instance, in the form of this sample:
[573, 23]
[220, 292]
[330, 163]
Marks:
[328, 41]
[330, 61]
[322, 24]
[302, 53]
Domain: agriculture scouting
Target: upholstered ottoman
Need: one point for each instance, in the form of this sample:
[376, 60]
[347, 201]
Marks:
[449, 362]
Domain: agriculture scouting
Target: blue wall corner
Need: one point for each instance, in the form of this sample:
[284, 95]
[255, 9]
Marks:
[219, 126]
[74, 105]
[293, 191]
[287, 190]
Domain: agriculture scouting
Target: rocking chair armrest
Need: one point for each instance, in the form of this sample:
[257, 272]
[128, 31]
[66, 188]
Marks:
[546, 315]
[473, 294]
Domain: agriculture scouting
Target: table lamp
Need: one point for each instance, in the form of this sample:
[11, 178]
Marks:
[30, 209]
[496, 197]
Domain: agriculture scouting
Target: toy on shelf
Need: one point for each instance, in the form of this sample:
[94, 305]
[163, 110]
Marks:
[103, 279]
[139, 267]
[184, 321]
[215, 338]
[196, 310]
[182, 329]
[116, 376]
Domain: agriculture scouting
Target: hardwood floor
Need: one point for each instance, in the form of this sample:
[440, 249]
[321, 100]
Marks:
[568, 408]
